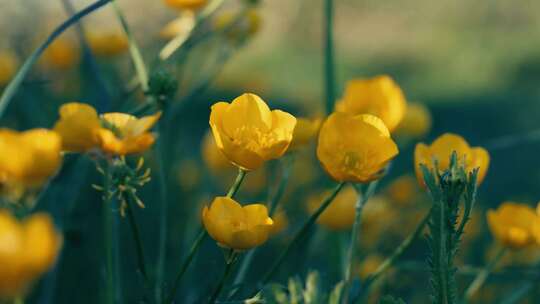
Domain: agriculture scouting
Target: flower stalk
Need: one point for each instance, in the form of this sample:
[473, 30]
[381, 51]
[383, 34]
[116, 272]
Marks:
[229, 263]
[484, 274]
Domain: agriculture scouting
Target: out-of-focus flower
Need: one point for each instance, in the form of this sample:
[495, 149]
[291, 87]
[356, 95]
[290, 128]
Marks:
[441, 150]
[78, 126]
[340, 213]
[62, 54]
[377, 216]
[8, 66]
[280, 222]
[179, 26]
[29, 157]
[403, 190]
[27, 250]
[235, 226]
[369, 265]
[379, 96]
[247, 25]
[107, 44]
[355, 148]
[248, 133]
[304, 132]
[188, 174]
[417, 121]
[512, 224]
[186, 4]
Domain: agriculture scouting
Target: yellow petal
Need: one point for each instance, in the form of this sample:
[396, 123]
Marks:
[480, 159]
[138, 126]
[247, 110]
[78, 125]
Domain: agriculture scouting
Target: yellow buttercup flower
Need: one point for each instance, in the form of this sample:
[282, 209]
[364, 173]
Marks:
[8, 67]
[236, 30]
[107, 44]
[213, 157]
[27, 250]
[186, 4]
[62, 54]
[355, 148]
[441, 150]
[417, 121]
[339, 215]
[79, 126]
[379, 96]
[248, 133]
[29, 157]
[235, 226]
[512, 224]
[304, 132]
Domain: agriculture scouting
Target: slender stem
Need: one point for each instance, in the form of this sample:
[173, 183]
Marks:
[16, 82]
[107, 235]
[237, 183]
[360, 203]
[329, 67]
[231, 259]
[136, 55]
[301, 233]
[137, 238]
[163, 225]
[483, 275]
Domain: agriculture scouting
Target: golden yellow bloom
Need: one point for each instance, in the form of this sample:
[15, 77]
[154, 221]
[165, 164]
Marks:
[339, 215]
[379, 96]
[27, 250]
[61, 54]
[248, 133]
[403, 190]
[107, 44]
[186, 4]
[235, 226]
[512, 224]
[355, 148]
[417, 121]
[305, 131]
[29, 157]
[441, 150]
[236, 30]
[8, 66]
[78, 126]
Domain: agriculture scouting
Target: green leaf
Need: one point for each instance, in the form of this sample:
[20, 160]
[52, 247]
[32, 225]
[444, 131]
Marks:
[295, 290]
[311, 294]
[335, 296]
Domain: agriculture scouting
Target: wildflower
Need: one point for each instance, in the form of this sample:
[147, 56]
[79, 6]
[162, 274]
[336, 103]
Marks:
[379, 96]
[107, 44]
[27, 250]
[186, 4]
[417, 121]
[304, 132]
[340, 213]
[441, 150]
[8, 67]
[235, 226]
[29, 158]
[62, 54]
[248, 133]
[355, 148]
[248, 25]
[79, 127]
[512, 224]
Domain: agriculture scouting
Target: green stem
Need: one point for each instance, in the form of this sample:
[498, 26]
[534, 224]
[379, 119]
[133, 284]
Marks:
[329, 67]
[137, 238]
[107, 237]
[300, 235]
[163, 225]
[360, 203]
[16, 82]
[483, 275]
[231, 259]
[238, 181]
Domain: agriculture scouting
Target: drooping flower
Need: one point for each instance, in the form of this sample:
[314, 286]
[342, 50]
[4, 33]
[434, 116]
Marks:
[355, 148]
[27, 250]
[339, 215]
[107, 44]
[79, 127]
[248, 133]
[417, 121]
[513, 224]
[186, 4]
[235, 226]
[379, 96]
[441, 150]
[304, 132]
[8, 67]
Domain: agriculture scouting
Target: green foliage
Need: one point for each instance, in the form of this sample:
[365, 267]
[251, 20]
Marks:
[391, 300]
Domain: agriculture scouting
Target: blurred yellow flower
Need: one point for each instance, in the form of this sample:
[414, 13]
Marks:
[235, 226]
[107, 44]
[304, 132]
[248, 133]
[236, 30]
[441, 150]
[340, 213]
[78, 126]
[417, 121]
[188, 174]
[355, 148]
[186, 4]
[29, 157]
[62, 54]
[8, 67]
[179, 26]
[369, 265]
[379, 96]
[403, 190]
[280, 222]
[27, 251]
[512, 224]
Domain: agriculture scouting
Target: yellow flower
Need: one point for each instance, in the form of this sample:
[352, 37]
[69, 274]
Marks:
[213, 157]
[417, 121]
[186, 4]
[235, 226]
[355, 148]
[79, 127]
[107, 44]
[248, 133]
[62, 54]
[512, 224]
[441, 150]
[339, 215]
[8, 67]
[237, 30]
[29, 157]
[305, 131]
[27, 251]
[379, 96]
[370, 264]
[403, 190]
[126, 134]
